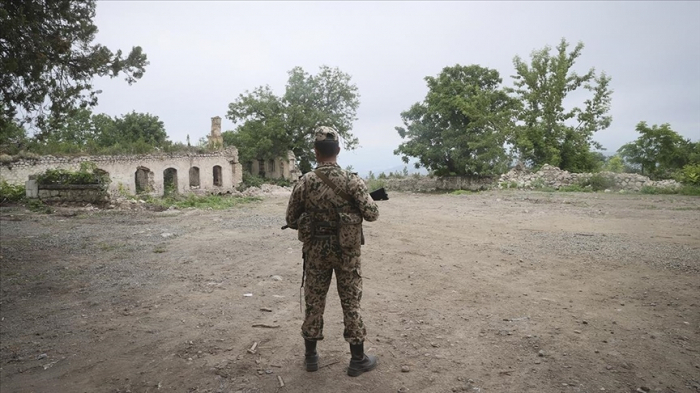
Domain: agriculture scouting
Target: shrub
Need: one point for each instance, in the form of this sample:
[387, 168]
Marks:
[690, 174]
[598, 182]
[689, 190]
[88, 174]
[574, 188]
[658, 190]
[375, 184]
[11, 193]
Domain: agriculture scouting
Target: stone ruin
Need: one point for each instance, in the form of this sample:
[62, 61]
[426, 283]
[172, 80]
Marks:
[218, 171]
[551, 176]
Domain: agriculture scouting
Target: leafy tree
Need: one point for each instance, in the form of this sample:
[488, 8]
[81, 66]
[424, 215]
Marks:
[462, 125]
[614, 164]
[547, 133]
[659, 151]
[133, 133]
[48, 60]
[13, 138]
[268, 126]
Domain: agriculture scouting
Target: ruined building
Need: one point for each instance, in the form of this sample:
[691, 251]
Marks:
[154, 174]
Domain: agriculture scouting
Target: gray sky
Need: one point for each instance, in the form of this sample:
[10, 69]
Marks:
[204, 54]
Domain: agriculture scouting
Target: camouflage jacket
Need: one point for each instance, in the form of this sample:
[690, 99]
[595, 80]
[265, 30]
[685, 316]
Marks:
[313, 204]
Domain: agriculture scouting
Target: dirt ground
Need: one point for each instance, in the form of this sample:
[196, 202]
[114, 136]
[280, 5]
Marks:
[508, 291]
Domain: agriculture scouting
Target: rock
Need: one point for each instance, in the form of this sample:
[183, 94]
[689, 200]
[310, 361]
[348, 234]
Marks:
[42, 356]
[577, 331]
[276, 278]
[540, 353]
[405, 369]
[166, 235]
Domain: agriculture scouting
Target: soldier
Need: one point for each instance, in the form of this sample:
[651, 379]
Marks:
[327, 207]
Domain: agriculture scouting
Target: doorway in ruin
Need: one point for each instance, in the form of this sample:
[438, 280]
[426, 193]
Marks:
[217, 176]
[194, 177]
[170, 181]
[144, 180]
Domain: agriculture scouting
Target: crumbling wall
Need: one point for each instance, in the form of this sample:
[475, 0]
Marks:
[150, 169]
[78, 193]
[426, 183]
[550, 176]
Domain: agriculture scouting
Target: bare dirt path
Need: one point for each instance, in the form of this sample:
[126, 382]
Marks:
[489, 292]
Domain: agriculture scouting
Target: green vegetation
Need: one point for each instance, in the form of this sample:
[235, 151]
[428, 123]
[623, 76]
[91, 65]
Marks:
[575, 188]
[461, 126]
[257, 181]
[10, 193]
[375, 184]
[659, 152]
[268, 126]
[215, 202]
[690, 174]
[598, 182]
[48, 74]
[545, 134]
[88, 174]
[684, 190]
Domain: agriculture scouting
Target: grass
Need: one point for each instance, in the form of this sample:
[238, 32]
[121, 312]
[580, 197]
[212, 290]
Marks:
[375, 184]
[159, 250]
[214, 202]
[684, 190]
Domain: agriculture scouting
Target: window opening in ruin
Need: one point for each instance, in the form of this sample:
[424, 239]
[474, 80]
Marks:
[249, 167]
[281, 169]
[261, 168]
[217, 176]
[170, 181]
[144, 180]
[194, 177]
[272, 166]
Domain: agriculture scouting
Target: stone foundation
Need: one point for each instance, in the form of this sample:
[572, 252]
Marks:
[550, 176]
[75, 193]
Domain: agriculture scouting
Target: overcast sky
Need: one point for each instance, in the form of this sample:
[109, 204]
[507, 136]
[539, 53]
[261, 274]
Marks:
[204, 54]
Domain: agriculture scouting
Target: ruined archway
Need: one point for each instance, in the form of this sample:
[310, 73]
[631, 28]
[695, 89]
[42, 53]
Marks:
[170, 181]
[218, 181]
[194, 177]
[144, 180]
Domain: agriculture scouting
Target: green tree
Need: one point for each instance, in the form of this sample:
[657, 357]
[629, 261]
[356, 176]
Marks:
[614, 164]
[547, 133]
[462, 126]
[658, 151]
[268, 126]
[13, 138]
[48, 61]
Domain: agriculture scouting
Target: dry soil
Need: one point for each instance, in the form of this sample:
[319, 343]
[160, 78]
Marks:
[489, 292]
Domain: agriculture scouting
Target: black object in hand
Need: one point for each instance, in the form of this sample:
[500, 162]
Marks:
[379, 195]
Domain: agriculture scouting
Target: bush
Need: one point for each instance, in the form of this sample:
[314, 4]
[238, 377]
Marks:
[689, 190]
[598, 182]
[574, 188]
[10, 193]
[375, 184]
[690, 174]
[215, 202]
[658, 190]
[88, 174]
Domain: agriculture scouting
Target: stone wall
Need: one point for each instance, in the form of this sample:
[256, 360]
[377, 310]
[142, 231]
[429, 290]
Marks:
[426, 183]
[77, 193]
[216, 171]
[550, 176]
[278, 168]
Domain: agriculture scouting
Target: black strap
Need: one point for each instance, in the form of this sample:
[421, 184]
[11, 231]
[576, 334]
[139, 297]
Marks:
[334, 187]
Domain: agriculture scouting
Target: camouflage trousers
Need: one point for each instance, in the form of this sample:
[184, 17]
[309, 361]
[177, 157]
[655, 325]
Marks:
[319, 271]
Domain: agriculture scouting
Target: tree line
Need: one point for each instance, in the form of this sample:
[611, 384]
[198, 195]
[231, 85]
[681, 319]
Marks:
[468, 124]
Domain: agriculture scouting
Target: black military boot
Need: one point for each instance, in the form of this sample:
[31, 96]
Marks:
[311, 357]
[359, 362]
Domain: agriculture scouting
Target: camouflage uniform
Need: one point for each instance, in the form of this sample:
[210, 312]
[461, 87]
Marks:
[331, 229]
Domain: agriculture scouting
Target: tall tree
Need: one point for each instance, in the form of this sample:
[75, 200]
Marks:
[547, 132]
[462, 126]
[48, 61]
[268, 126]
[658, 151]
